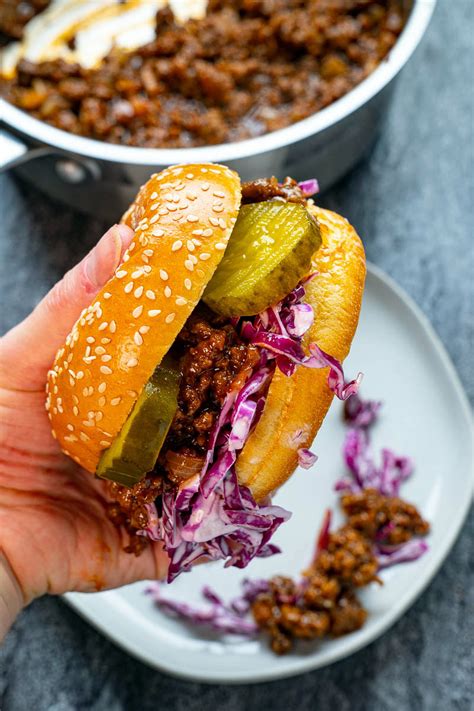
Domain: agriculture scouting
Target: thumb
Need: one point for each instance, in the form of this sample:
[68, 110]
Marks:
[28, 350]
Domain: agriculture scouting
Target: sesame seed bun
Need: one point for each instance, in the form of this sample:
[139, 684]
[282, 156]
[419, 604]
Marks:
[183, 218]
[295, 407]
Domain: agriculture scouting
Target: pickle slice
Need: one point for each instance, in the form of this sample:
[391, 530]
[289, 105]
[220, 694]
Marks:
[135, 450]
[269, 252]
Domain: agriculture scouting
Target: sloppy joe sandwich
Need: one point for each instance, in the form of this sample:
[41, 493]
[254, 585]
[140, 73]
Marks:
[196, 380]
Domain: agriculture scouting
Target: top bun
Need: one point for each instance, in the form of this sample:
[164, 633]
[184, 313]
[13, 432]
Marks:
[183, 218]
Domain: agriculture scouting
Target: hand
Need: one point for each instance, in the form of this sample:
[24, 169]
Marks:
[54, 531]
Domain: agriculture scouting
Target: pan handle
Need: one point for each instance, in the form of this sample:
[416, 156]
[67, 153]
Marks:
[70, 168]
[14, 152]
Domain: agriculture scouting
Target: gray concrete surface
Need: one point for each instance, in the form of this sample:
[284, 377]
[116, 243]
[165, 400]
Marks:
[413, 201]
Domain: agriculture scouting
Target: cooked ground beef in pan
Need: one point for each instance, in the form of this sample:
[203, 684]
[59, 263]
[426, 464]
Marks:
[247, 68]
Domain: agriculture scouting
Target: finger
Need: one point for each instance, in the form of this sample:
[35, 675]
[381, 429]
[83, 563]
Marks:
[28, 350]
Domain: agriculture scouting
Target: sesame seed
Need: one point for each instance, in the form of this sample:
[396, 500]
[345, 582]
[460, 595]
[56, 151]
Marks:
[191, 195]
[172, 208]
[75, 410]
[80, 374]
[121, 274]
[187, 284]
[132, 393]
[126, 257]
[104, 443]
[205, 187]
[105, 340]
[102, 387]
[106, 370]
[84, 437]
[198, 233]
[128, 287]
[218, 208]
[168, 197]
[153, 196]
[181, 301]
[75, 399]
[192, 218]
[150, 294]
[197, 242]
[144, 329]
[106, 358]
[192, 258]
[220, 246]
[163, 275]
[100, 350]
[154, 312]
[115, 401]
[157, 232]
[85, 392]
[148, 252]
[112, 327]
[132, 363]
[137, 338]
[154, 219]
[102, 401]
[167, 292]
[176, 245]
[190, 245]
[147, 269]
[204, 256]
[103, 326]
[189, 176]
[155, 206]
[70, 428]
[189, 265]
[207, 232]
[214, 221]
[170, 318]
[90, 339]
[137, 311]
[106, 295]
[218, 193]
[137, 273]
[88, 423]
[162, 211]
[138, 291]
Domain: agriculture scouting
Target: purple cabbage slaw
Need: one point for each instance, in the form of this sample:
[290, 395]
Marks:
[211, 515]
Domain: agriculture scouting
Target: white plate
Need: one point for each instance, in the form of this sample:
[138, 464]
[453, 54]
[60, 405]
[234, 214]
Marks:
[426, 416]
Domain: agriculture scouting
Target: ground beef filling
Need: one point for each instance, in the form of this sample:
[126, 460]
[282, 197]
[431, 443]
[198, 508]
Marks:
[326, 602]
[247, 68]
[263, 189]
[213, 361]
[14, 14]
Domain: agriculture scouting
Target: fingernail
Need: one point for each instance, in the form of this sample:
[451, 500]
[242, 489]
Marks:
[105, 257]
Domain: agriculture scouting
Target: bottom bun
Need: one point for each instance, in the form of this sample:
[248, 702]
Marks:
[296, 406]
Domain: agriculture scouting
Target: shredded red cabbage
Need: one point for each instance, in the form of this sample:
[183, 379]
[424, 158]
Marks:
[279, 331]
[387, 477]
[309, 187]
[227, 618]
[306, 458]
[391, 555]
